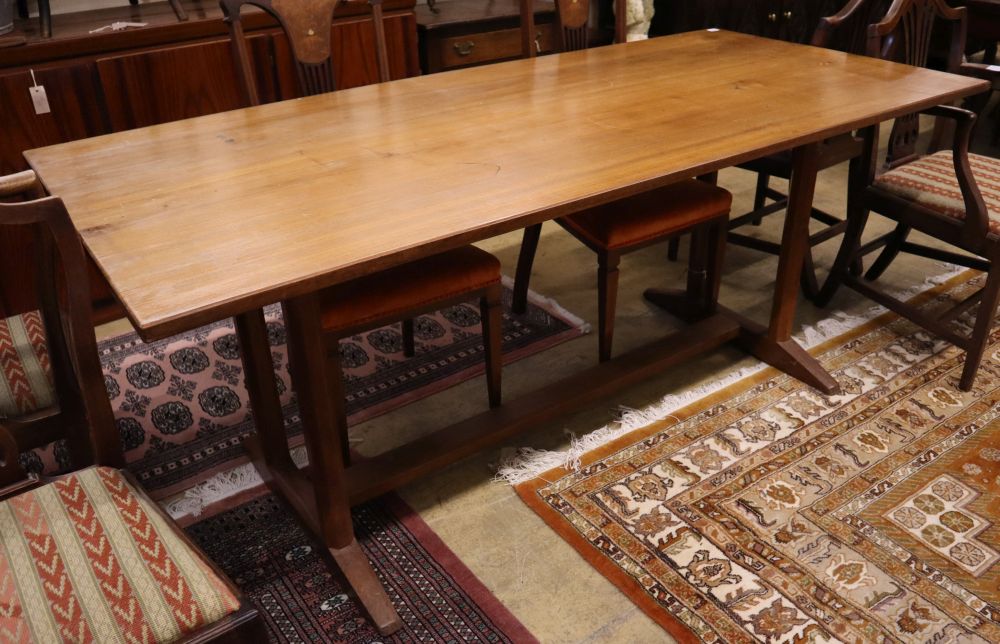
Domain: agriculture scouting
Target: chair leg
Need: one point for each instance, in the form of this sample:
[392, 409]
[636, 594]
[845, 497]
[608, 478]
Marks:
[896, 239]
[607, 298]
[491, 313]
[529, 244]
[981, 331]
[716, 253]
[856, 221]
[760, 195]
[409, 343]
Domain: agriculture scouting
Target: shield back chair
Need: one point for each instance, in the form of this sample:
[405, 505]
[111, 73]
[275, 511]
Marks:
[623, 226]
[396, 294]
[937, 193]
[845, 31]
[62, 540]
[51, 384]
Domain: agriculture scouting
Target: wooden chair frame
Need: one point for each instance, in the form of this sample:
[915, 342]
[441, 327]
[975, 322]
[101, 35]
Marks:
[845, 31]
[572, 25]
[308, 29]
[82, 413]
[970, 234]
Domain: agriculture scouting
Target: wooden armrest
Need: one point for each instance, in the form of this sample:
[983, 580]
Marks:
[976, 223]
[18, 183]
[979, 70]
[829, 24]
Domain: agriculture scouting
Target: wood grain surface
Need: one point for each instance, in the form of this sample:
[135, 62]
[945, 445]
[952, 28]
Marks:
[200, 219]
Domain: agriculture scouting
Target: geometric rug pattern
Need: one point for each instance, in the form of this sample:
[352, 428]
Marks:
[769, 512]
[183, 412]
[280, 567]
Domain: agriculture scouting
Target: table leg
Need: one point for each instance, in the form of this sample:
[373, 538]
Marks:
[775, 346]
[270, 442]
[320, 394]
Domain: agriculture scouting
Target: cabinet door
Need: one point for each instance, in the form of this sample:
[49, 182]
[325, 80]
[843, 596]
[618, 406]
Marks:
[174, 83]
[354, 53]
[799, 18]
[75, 105]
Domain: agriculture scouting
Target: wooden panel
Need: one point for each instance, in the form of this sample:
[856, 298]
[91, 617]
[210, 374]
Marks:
[76, 111]
[151, 87]
[248, 207]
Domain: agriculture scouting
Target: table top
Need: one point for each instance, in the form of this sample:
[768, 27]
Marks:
[196, 220]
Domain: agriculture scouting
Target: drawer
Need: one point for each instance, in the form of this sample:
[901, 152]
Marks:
[490, 46]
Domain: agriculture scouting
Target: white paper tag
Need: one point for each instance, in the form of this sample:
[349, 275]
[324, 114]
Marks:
[40, 100]
[993, 68]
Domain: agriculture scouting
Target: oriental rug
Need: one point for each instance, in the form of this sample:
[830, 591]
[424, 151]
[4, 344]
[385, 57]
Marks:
[183, 412]
[768, 512]
[280, 567]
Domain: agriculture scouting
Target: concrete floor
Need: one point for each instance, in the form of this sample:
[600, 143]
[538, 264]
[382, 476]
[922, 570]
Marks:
[541, 579]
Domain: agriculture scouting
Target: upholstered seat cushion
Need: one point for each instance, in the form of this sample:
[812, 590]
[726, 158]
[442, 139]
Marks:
[930, 181]
[649, 215]
[408, 287]
[25, 374]
[86, 559]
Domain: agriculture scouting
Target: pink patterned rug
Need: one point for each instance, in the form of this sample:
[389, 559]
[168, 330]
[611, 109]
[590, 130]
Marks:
[183, 412]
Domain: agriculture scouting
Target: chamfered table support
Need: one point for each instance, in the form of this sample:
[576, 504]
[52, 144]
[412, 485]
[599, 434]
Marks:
[774, 344]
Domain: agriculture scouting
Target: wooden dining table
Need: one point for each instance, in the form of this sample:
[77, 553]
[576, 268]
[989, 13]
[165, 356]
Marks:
[218, 216]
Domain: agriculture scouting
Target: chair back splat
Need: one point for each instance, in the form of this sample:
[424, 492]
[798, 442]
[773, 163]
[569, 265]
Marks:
[308, 26]
[906, 36]
[847, 30]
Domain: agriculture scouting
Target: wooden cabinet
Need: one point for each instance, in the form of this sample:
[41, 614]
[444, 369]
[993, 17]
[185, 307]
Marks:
[75, 103]
[473, 32]
[791, 20]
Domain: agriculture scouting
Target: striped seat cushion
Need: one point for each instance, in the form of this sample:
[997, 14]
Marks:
[930, 181]
[85, 559]
[25, 376]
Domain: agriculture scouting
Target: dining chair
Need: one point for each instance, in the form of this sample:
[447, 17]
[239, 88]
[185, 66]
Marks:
[87, 555]
[844, 31]
[400, 293]
[620, 227]
[938, 192]
[51, 383]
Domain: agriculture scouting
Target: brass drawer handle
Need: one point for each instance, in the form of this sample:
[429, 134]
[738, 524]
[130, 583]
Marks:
[772, 17]
[788, 15]
[464, 48]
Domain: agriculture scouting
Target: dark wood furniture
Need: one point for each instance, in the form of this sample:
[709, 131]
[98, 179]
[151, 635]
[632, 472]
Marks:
[846, 31]
[935, 193]
[113, 81]
[620, 227]
[85, 419]
[789, 20]
[58, 270]
[393, 179]
[461, 33]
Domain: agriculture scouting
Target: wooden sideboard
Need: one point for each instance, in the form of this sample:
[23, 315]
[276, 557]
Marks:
[462, 33]
[169, 70]
[791, 20]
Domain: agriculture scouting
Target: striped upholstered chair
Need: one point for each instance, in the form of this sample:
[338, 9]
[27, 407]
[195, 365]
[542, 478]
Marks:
[86, 557]
[948, 194]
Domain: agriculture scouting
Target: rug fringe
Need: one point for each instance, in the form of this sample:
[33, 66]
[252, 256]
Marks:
[551, 304]
[221, 486]
[526, 463]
